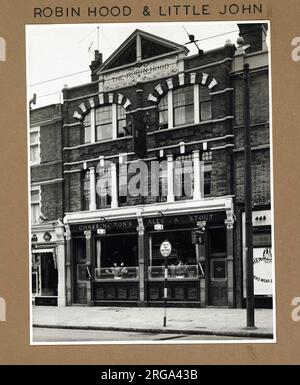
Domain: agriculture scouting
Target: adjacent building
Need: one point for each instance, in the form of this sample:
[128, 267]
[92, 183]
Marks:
[151, 150]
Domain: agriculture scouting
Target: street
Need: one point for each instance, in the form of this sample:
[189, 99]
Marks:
[75, 335]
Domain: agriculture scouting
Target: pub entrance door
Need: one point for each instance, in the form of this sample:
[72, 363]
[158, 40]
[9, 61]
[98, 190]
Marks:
[80, 271]
[217, 267]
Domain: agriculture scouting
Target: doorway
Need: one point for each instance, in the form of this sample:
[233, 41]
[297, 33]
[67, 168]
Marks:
[217, 267]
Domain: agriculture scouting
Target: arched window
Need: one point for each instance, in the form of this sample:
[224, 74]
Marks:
[104, 123]
[184, 105]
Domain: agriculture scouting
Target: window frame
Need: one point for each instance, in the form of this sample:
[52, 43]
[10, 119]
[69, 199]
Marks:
[207, 169]
[85, 178]
[185, 105]
[39, 203]
[34, 130]
[196, 102]
[115, 132]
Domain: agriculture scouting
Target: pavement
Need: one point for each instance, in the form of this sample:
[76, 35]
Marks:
[207, 321]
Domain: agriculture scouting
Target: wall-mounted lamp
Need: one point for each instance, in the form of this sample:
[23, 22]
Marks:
[159, 225]
[102, 229]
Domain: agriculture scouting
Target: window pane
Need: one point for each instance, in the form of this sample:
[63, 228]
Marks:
[87, 128]
[87, 134]
[218, 269]
[34, 153]
[218, 240]
[163, 103]
[104, 131]
[121, 128]
[183, 177]
[103, 188]
[205, 111]
[204, 94]
[183, 96]
[34, 137]
[86, 191]
[182, 248]
[121, 121]
[35, 196]
[163, 112]
[121, 112]
[35, 213]
[103, 115]
[184, 115]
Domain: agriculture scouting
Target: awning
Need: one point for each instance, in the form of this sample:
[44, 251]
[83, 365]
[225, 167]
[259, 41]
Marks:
[42, 251]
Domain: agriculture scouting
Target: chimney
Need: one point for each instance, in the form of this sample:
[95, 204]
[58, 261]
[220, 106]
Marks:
[95, 64]
[255, 35]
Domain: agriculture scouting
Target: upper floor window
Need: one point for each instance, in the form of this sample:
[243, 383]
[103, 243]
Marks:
[103, 189]
[121, 121]
[87, 128]
[163, 112]
[204, 104]
[184, 105]
[34, 145]
[163, 182]
[104, 123]
[35, 203]
[183, 177]
[86, 190]
[207, 159]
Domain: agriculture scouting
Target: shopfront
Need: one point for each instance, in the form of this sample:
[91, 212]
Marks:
[47, 265]
[263, 264]
[118, 262]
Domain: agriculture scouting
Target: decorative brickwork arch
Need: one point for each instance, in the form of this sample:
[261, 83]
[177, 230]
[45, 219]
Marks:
[179, 80]
[99, 100]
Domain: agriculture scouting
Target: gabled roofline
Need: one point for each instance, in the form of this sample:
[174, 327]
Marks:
[150, 36]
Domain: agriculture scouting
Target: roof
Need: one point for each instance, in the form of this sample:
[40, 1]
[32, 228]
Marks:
[168, 45]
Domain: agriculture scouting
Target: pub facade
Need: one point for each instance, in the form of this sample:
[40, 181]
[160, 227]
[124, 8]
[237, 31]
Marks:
[152, 150]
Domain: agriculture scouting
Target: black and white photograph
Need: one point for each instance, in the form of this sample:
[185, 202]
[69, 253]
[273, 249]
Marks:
[150, 183]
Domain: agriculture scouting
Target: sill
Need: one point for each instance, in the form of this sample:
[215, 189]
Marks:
[175, 279]
[98, 142]
[191, 125]
[110, 280]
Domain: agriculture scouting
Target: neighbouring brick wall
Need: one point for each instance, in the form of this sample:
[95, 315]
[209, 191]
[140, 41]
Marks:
[259, 98]
[220, 172]
[75, 195]
[51, 142]
[46, 172]
[50, 121]
[261, 186]
[52, 201]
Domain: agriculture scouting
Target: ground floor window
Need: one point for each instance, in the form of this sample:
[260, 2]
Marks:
[44, 274]
[182, 262]
[117, 257]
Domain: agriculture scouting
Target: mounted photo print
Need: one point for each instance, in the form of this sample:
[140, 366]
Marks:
[140, 176]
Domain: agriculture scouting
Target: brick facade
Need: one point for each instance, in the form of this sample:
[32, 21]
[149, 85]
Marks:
[63, 152]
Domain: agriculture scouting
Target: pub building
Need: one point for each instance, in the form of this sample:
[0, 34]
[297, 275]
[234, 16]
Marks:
[152, 101]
